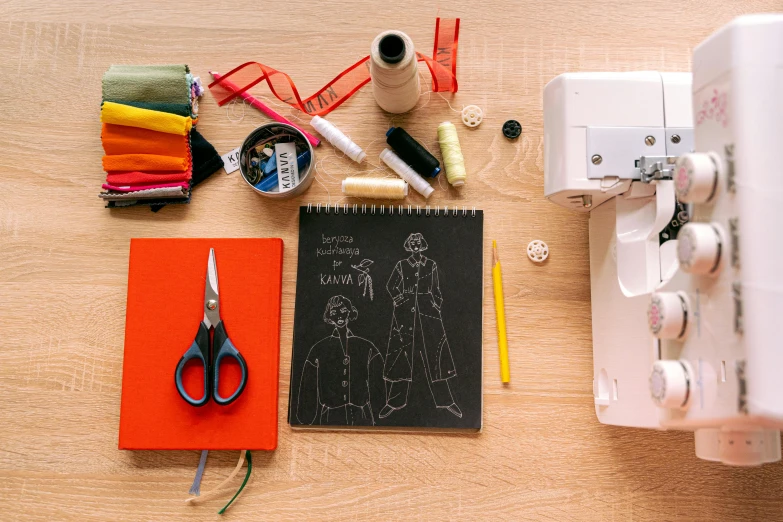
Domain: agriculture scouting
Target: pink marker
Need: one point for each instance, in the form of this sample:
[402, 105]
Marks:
[266, 110]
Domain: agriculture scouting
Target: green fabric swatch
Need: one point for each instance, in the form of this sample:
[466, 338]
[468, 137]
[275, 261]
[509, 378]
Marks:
[147, 83]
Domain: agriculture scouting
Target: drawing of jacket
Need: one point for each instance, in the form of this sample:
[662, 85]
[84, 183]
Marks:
[336, 377]
[415, 290]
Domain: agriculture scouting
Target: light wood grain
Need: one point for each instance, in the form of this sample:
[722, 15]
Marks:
[63, 268]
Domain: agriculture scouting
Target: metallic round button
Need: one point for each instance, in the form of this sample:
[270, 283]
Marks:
[670, 384]
[667, 315]
[699, 248]
[696, 177]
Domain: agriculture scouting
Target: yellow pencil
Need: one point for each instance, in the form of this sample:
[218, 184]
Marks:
[505, 374]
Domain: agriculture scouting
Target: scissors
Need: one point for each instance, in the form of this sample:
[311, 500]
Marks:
[221, 346]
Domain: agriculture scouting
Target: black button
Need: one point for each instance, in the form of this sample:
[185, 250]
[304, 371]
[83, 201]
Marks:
[512, 129]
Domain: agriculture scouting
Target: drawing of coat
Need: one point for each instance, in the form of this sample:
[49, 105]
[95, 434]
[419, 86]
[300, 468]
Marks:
[415, 290]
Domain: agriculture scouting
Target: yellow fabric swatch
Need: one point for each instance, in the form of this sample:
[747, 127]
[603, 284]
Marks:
[120, 114]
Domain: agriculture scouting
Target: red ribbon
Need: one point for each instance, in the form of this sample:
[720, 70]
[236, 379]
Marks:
[442, 66]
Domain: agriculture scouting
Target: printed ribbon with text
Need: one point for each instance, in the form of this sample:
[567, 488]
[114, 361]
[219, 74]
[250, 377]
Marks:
[442, 67]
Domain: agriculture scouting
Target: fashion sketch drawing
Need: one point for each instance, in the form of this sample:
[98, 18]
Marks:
[417, 335]
[334, 388]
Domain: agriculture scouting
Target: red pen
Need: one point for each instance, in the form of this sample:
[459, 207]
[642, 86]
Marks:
[266, 110]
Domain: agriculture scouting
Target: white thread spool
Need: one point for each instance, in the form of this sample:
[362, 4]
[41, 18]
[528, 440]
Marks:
[453, 161]
[394, 72]
[405, 172]
[340, 141]
[376, 188]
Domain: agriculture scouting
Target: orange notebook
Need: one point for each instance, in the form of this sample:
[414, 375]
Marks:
[165, 306]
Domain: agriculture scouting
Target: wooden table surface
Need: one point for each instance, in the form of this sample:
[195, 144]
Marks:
[64, 262]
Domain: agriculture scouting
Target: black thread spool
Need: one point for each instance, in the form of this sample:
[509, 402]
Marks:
[412, 152]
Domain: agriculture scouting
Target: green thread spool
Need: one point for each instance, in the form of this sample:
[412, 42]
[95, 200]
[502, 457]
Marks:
[453, 160]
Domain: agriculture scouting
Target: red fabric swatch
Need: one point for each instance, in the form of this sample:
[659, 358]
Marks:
[165, 305]
[134, 188]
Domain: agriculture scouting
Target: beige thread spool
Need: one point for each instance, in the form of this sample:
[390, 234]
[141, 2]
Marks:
[375, 188]
[394, 72]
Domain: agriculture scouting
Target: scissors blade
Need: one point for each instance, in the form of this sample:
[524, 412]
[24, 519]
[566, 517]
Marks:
[211, 294]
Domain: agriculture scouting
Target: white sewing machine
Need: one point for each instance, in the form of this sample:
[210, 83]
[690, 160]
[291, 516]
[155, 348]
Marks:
[685, 300]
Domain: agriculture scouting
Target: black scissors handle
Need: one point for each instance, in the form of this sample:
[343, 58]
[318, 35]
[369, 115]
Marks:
[198, 350]
[223, 347]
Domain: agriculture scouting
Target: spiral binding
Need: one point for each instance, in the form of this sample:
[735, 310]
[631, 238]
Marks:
[381, 209]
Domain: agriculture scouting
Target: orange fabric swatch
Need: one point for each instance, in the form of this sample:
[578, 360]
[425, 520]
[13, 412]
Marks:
[165, 305]
[120, 139]
[145, 162]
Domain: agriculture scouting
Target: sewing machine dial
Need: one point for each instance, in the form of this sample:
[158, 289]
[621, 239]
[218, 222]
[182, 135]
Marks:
[670, 384]
[696, 177]
[700, 248]
[667, 315]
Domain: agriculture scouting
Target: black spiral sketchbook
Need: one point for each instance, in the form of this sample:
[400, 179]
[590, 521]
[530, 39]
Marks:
[388, 320]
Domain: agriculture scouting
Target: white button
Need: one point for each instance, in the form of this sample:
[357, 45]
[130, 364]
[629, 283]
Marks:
[345, 383]
[699, 248]
[670, 383]
[696, 177]
[537, 251]
[472, 115]
[667, 315]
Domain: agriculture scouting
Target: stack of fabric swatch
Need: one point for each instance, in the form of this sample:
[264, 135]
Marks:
[154, 155]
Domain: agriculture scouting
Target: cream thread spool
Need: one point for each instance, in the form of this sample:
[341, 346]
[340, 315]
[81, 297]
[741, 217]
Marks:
[394, 72]
[340, 141]
[375, 188]
[408, 174]
[453, 160]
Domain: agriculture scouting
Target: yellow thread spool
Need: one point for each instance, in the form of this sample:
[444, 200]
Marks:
[453, 160]
[376, 188]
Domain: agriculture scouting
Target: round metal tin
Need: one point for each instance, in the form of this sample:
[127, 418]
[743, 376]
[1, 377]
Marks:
[269, 130]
